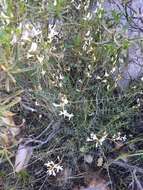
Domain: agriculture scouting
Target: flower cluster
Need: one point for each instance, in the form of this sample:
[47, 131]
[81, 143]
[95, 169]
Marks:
[30, 35]
[119, 137]
[52, 168]
[64, 112]
[99, 141]
[28, 32]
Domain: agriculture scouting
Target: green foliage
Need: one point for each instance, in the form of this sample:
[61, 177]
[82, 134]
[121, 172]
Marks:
[23, 176]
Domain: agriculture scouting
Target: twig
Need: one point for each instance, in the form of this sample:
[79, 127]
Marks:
[128, 166]
[28, 108]
[43, 183]
[45, 130]
[56, 129]
[137, 181]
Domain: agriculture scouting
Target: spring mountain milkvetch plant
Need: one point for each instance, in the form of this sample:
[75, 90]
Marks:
[59, 96]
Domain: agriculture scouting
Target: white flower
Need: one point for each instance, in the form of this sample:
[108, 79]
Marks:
[89, 139]
[98, 78]
[52, 32]
[40, 59]
[59, 168]
[43, 72]
[88, 16]
[14, 39]
[64, 101]
[28, 31]
[33, 47]
[56, 105]
[55, 2]
[25, 36]
[35, 32]
[104, 81]
[124, 138]
[40, 116]
[36, 103]
[93, 136]
[61, 77]
[78, 7]
[49, 164]
[66, 114]
[31, 29]
[138, 102]
[113, 70]
[52, 168]
[99, 141]
[29, 55]
[118, 137]
[106, 74]
[60, 84]
[88, 33]
[88, 74]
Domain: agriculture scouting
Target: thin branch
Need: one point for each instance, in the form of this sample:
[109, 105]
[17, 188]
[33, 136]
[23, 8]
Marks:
[128, 166]
[56, 129]
[45, 130]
